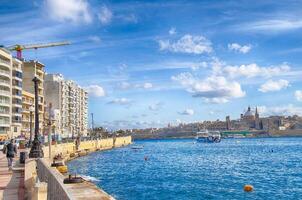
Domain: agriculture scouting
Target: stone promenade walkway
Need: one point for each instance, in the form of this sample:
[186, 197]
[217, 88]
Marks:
[11, 182]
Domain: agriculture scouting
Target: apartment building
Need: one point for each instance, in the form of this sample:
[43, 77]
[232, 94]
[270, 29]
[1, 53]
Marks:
[10, 95]
[31, 69]
[28, 108]
[71, 101]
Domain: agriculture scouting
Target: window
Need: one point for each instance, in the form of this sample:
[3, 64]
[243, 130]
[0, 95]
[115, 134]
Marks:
[15, 129]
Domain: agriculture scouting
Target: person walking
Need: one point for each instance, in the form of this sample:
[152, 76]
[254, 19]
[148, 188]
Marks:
[10, 149]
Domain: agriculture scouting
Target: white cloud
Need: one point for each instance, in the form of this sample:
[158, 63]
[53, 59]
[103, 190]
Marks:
[75, 11]
[172, 31]
[147, 85]
[251, 70]
[286, 110]
[298, 95]
[105, 15]
[128, 18]
[240, 48]
[187, 111]
[120, 101]
[95, 90]
[125, 85]
[213, 89]
[272, 25]
[271, 85]
[156, 106]
[187, 44]
[95, 39]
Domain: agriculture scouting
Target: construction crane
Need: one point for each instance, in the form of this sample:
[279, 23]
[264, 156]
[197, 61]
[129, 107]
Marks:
[20, 47]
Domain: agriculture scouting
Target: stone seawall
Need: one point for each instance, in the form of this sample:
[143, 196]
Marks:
[94, 145]
[38, 190]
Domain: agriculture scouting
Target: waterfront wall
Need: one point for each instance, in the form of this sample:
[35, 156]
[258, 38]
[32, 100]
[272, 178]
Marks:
[89, 146]
[51, 185]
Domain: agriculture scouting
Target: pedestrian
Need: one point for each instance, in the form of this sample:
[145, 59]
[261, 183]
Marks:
[10, 149]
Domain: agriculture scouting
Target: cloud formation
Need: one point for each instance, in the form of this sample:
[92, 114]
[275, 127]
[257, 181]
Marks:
[270, 85]
[105, 15]
[286, 110]
[95, 39]
[251, 70]
[120, 101]
[213, 89]
[187, 111]
[172, 31]
[187, 44]
[95, 90]
[76, 11]
[126, 85]
[298, 95]
[240, 48]
[156, 106]
[271, 25]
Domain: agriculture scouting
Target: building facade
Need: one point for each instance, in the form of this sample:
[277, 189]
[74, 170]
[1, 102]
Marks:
[28, 117]
[10, 95]
[30, 70]
[72, 102]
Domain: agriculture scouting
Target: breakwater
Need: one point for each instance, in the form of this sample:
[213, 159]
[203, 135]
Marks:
[50, 180]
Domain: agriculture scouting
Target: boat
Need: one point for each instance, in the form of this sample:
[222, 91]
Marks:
[208, 136]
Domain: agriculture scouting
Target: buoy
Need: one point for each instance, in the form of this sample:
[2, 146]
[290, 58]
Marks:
[62, 169]
[248, 188]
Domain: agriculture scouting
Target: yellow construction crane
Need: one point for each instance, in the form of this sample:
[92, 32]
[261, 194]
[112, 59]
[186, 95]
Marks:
[20, 47]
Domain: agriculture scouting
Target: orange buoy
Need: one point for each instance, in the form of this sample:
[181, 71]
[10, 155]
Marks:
[248, 188]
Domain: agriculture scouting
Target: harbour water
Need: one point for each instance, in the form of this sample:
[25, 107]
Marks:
[183, 169]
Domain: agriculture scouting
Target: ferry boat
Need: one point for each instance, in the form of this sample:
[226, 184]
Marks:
[208, 136]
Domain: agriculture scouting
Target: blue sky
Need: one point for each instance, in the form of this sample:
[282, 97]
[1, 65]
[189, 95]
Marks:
[150, 63]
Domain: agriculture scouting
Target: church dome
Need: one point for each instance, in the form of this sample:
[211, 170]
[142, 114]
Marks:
[248, 113]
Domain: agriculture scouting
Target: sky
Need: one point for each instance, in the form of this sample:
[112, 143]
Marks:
[150, 63]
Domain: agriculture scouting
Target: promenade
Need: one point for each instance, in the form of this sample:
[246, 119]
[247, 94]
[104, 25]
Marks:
[11, 182]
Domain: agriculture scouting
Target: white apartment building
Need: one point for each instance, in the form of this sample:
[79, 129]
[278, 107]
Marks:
[72, 102]
[10, 95]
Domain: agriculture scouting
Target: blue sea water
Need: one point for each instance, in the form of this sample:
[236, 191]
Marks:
[183, 169]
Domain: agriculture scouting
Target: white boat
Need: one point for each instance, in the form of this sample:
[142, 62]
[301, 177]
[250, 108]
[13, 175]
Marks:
[208, 136]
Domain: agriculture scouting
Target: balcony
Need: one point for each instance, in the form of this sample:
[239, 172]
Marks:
[4, 61]
[5, 93]
[5, 83]
[5, 73]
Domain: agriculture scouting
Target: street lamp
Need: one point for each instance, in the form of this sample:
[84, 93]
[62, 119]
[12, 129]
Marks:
[36, 150]
[31, 110]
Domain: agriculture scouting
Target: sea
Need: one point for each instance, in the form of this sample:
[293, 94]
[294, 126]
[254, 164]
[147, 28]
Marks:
[184, 169]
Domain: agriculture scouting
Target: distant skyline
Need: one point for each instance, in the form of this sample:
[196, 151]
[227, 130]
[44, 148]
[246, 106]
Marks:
[150, 63]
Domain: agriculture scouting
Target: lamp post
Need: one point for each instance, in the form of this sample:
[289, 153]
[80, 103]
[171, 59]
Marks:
[51, 118]
[31, 110]
[36, 150]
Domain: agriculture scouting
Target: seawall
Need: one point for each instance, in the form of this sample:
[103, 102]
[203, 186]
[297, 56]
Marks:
[50, 180]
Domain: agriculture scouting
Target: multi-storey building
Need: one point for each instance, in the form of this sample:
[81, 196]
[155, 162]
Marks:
[5, 93]
[10, 95]
[28, 107]
[16, 97]
[30, 70]
[71, 101]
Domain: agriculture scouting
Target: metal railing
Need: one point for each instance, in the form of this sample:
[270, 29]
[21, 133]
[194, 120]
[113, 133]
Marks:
[55, 187]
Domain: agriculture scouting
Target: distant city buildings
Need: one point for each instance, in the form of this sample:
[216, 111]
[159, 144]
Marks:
[69, 113]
